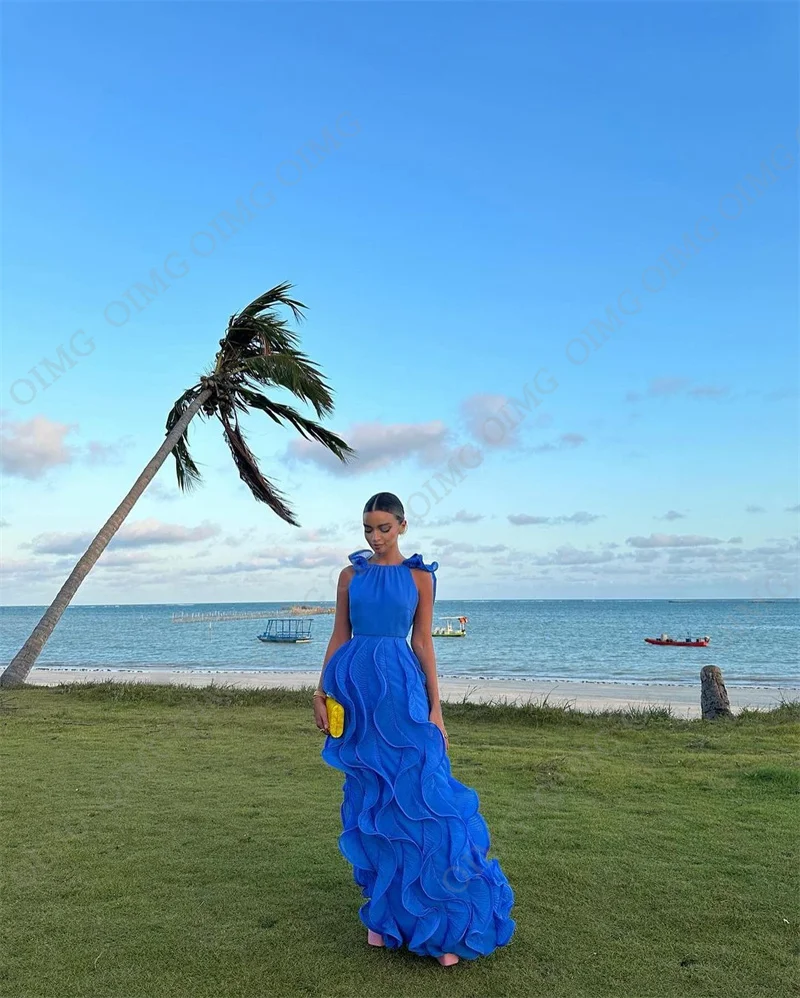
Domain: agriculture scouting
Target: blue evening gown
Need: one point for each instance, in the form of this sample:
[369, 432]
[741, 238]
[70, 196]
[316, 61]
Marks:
[414, 835]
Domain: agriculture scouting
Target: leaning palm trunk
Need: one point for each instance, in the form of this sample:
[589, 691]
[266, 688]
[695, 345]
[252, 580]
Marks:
[257, 351]
[23, 661]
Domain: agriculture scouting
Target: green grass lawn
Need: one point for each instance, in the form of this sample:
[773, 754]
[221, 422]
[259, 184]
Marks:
[161, 841]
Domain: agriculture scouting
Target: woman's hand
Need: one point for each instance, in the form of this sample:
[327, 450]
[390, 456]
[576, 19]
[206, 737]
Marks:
[437, 719]
[321, 715]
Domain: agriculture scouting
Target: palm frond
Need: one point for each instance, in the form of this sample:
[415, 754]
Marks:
[275, 296]
[257, 330]
[307, 427]
[250, 473]
[257, 337]
[293, 371]
[259, 349]
[188, 474]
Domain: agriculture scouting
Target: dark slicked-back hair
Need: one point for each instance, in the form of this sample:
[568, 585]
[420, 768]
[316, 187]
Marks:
[386, 502]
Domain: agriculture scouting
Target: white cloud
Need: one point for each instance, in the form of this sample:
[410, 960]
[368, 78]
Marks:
[659, 387]
[563, 442]
[526, 519]
[133, 535]
[128, 559]
[462, 516]
[669, 387]
[162, 492]
[315, 534]
[708, 392]
[378, 446]
[671, 541]
[445, 547]
[271, 559]
[96, 452]
[567, 555]
[30, 448]
[494, 420]
[152, 531]
[234, 540]
[29, 570]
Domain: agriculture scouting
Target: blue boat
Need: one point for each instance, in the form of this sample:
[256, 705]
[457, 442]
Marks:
[287, 630]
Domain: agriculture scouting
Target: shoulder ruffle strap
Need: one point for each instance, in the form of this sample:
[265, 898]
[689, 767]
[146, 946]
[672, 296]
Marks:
[360, 559]
[415, 561]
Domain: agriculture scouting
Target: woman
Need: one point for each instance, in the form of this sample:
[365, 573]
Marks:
[413, 834]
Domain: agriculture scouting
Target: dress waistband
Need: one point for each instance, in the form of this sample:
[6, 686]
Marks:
[362, 634]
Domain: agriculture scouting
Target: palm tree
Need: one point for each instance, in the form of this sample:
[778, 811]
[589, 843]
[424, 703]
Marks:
[258, 350]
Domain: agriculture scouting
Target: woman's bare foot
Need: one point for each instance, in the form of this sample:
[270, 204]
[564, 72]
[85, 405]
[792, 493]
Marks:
[374, 939]
[448, 959]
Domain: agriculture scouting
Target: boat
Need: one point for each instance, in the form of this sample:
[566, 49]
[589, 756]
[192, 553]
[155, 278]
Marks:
[287, 630]
[449, 630]
[665, 639]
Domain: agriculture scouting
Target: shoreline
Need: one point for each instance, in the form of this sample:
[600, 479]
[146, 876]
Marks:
[455, 676]
[580, 694]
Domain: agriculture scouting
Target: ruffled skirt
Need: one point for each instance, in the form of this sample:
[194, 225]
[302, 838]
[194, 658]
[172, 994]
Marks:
[413, 833]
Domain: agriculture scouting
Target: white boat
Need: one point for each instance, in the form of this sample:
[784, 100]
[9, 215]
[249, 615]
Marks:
[453, 627]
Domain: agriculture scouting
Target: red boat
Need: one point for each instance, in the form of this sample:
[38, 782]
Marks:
[665, 639]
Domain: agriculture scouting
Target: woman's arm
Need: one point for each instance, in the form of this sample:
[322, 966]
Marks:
[342, 628]
[421, 640]
[422, 646]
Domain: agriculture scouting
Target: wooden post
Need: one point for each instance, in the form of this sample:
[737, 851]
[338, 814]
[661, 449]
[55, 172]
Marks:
[714, 701]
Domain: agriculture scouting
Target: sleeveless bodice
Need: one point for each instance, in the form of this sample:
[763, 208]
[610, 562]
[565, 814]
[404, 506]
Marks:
[383, 598]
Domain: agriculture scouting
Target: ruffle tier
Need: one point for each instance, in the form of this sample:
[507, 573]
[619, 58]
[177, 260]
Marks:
[413, 833]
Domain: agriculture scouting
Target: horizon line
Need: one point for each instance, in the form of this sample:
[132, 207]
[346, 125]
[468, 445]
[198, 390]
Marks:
[502, 599]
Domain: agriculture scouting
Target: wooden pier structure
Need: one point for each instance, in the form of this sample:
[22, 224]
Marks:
[220, 616]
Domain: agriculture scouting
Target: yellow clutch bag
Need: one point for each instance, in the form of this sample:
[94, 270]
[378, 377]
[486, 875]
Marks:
[335, 717]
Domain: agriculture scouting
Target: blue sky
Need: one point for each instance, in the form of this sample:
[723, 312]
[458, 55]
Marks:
[463, 194]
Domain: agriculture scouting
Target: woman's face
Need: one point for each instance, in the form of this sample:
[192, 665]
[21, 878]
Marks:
[382, 530]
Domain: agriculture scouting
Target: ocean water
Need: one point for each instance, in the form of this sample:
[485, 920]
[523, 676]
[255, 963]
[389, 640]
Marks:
[755, 643]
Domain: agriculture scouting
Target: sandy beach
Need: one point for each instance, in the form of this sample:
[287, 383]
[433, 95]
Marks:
[584, 696]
